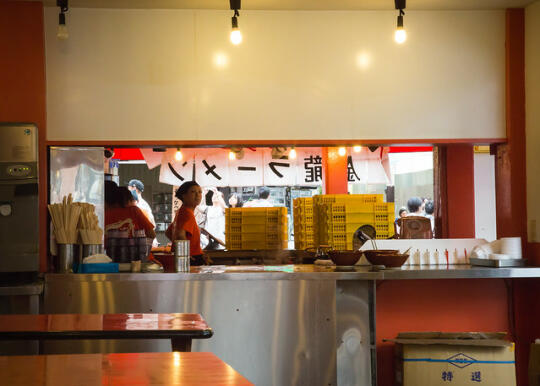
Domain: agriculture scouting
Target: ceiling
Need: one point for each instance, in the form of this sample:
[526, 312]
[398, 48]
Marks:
[300, 4]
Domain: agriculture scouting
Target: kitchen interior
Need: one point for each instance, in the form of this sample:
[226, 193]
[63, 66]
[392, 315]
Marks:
[453, 130]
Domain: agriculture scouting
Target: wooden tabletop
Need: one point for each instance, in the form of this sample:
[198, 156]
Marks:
[192, 368]
[103, 326]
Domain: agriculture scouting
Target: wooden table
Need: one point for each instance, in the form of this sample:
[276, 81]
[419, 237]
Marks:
[179, 328]
[186, 368]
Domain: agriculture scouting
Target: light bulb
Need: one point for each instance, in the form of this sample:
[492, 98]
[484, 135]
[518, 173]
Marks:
[178, 155]
[342, 151]
[400, 35]
[292, 153]
[236, 36]
[62, 32]
[232, 155]
[357, 149]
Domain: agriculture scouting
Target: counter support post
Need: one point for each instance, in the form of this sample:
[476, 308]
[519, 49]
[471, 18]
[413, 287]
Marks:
[372, 291]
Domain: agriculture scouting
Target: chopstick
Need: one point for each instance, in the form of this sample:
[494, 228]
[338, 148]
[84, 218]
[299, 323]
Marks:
[73, 219]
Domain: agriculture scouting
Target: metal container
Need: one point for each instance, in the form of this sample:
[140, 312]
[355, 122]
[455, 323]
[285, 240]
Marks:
[67, 254]
[181, 256]
[181, 248]
[91, 249]
[181, 263]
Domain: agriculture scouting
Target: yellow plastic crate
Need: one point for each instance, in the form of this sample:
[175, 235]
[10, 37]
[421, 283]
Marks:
[234, 245]
[245, 237]
[384, 228]
[345, 227]
[343, 198]
[366, 218]
[386, 207]
[304, 228]
[339, 246]
[255, 215]
[303, 211]
[340, 237]
[303, 245]
[303, 219]
[308, 237]
[272, 212]
[251, 228]
[302, 201]
[255, 220]
[262, 237]
[249, 245]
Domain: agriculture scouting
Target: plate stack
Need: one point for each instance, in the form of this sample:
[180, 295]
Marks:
[511, 247]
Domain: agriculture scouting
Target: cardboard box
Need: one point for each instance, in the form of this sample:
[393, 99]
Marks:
[463, 359]
[534, 365]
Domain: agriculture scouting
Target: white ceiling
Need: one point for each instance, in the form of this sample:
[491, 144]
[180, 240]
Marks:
[300, 4]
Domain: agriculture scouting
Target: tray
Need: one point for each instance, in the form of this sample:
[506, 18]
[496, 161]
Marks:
[98, 268]
[498, 263]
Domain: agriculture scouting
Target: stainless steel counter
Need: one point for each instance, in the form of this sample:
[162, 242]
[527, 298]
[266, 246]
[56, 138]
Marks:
[291, 324]
[313, 272]
[22, 289]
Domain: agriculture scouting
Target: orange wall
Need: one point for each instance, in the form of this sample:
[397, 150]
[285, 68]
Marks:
[335, 167]
[22, 82]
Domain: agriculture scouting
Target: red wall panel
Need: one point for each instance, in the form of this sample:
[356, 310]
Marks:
[460, 191]
[22, 84]
[435, 305]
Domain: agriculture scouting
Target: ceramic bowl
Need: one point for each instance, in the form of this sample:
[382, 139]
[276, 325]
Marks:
[345, 257]
[390, 258]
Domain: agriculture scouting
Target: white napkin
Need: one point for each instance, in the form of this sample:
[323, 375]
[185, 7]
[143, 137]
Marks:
[97, 258]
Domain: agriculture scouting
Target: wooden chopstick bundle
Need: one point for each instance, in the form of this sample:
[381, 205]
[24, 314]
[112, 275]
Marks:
[65, 217]
[89, 229]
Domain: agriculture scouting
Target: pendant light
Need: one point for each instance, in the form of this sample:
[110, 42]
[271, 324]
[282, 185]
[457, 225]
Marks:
[236, 153]
[292, 153]
[178, 155]
[62, 32]
[236, 35]
[400, 35]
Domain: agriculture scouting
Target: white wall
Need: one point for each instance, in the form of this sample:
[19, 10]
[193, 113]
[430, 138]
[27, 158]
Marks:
[532, 94]
[151, 75]
[485, 212]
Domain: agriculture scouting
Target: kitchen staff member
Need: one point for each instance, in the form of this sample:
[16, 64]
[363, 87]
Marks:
[138, 187]
[184, 226]
[122, 213]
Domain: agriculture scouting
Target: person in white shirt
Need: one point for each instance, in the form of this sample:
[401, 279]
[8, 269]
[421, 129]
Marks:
[138, 186]
[430, 208]
[262, 201]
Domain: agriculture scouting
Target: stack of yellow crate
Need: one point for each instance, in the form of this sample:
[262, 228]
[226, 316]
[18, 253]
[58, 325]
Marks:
[338, 216]
[256, 228]
[303, 223]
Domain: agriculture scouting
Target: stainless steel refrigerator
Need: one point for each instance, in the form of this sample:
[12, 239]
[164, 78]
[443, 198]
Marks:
[19, 215]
